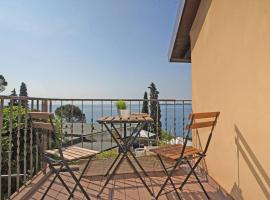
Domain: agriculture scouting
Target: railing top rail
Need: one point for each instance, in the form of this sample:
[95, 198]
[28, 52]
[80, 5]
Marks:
[87, 99]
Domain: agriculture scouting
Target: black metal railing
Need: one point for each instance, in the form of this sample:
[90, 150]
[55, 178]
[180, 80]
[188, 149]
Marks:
[20, 157]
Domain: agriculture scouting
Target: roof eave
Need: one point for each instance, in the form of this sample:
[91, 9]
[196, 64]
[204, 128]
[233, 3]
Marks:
[179, 50]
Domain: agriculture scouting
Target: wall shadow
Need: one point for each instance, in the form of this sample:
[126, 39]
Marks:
[236, 192]
[253, 164]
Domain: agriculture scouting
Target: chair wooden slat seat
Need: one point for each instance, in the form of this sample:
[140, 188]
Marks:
[73, 153]
[173, 152]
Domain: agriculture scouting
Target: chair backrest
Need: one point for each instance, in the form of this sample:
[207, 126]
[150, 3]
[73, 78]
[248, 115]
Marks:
[42, 120]
[209, 119]
[201, 121]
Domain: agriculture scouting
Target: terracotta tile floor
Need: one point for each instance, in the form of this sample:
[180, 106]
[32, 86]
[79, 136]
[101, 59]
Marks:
[125, 185]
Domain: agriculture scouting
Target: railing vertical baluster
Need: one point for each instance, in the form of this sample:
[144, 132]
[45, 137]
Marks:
[166, 116]
[37, 105]
[101, 144]
[157, 121]
[71, 127]
[139, 107]
[37, 142]
[49, 138]
[174, 119]
[44, 144]
[61, 118]
[25, 146]
[183, 132]
[111, 126]
[92, 123]
[82, 120]
[50, 105]
[130, 113]
[32, 105]
[31, 143]
[18, 146]
[10, 145]
[130, 107]
[36, 145]
[1, 125]
[37, 151]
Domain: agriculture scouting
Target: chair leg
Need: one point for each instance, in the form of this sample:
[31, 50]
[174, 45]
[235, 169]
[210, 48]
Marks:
[84, 169]
[47, 190]
[189, 174]
[168, 177]
[76, 180]
[167, 174]
[56, 172]
[196, 176]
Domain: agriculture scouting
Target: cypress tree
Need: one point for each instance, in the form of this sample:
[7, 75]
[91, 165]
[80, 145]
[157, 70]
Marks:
[14, 94]
[145, 103]
[145, 108]
[155, 109]
[23, 93]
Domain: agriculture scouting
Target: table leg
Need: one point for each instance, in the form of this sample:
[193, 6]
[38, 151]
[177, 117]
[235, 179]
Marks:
[138, 174]
[108, 171]
[138, 163]
[111, 175]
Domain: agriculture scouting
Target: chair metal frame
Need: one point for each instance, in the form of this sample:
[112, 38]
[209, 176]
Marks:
[62, 163]
[183, 159]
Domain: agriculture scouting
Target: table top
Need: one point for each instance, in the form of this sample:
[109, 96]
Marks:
[133, 118]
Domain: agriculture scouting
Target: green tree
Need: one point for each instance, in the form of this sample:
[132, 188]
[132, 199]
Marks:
[15, 112]
[23, 139]
[23, 93]
[3, 83]
[155, 109]
[145, 103]
[14, 94]
[70, 113]
[145, 107]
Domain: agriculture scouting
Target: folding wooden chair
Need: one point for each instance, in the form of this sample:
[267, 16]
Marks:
[185, 154]
[42, 122]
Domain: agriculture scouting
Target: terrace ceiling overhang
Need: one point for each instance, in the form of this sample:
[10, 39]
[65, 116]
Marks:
[180, 50]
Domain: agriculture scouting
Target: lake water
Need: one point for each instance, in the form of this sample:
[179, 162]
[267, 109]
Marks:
[172, 116]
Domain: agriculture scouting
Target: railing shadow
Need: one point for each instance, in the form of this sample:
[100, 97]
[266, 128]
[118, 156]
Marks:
[236, 192]
[196, 195]
[253, 164]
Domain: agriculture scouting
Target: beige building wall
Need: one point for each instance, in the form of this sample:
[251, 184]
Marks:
[231, 74]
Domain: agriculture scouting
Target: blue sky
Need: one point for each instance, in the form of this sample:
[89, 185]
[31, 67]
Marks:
[90, 48]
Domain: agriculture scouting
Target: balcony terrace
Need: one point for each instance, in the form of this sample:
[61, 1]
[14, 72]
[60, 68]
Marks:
[125, 184]
[21, 165]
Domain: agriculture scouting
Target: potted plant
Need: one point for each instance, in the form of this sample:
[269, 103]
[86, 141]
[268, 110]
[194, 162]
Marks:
[122, 108]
